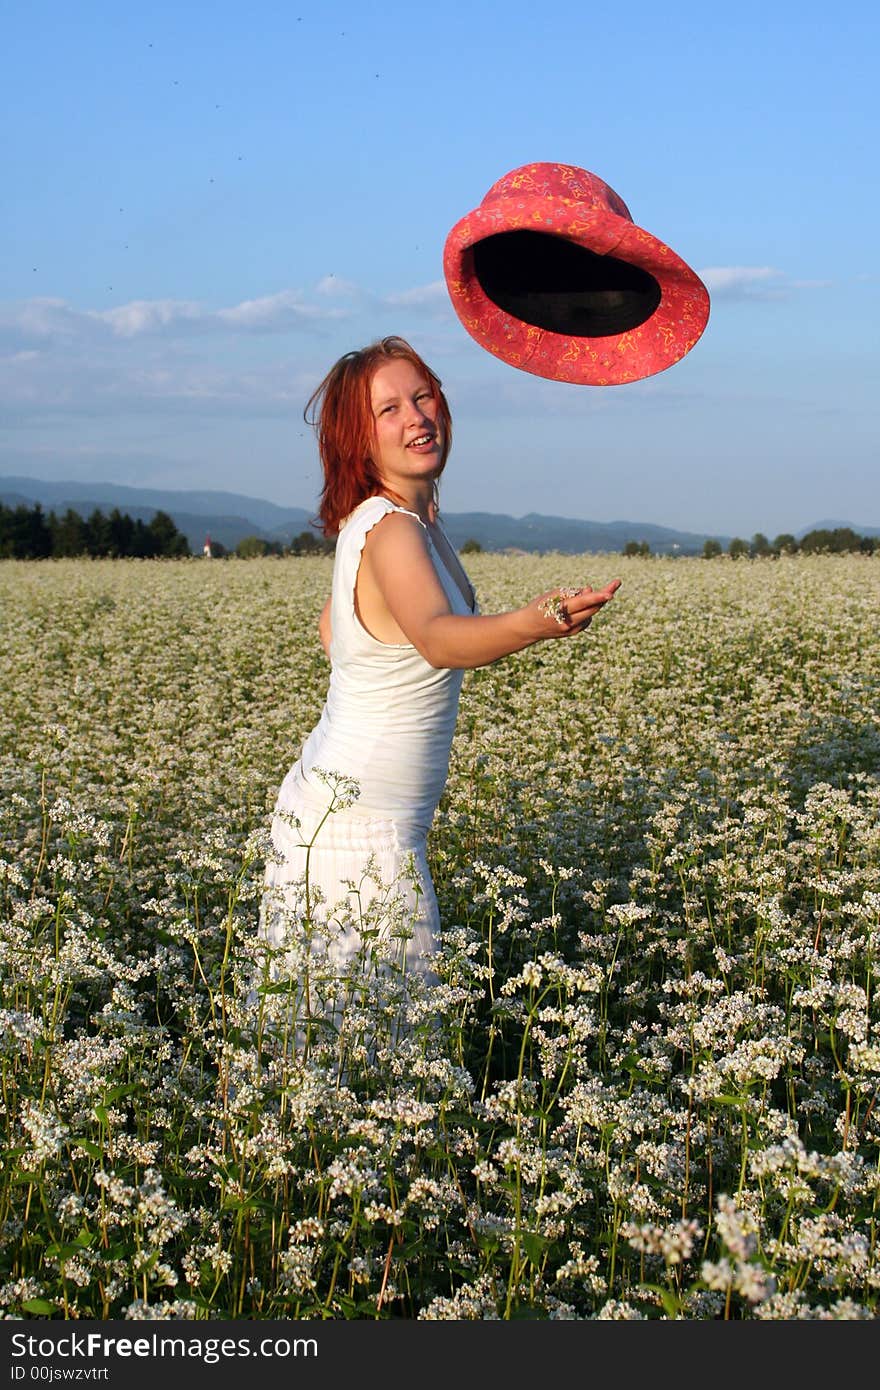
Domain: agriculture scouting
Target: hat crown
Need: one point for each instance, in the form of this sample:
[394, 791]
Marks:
[559, 183]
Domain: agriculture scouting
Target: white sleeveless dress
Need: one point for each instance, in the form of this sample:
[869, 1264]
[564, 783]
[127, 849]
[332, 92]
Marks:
[387, 723]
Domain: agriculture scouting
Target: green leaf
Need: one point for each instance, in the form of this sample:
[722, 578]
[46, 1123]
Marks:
[62, 1252]
[40, 1307]
[93, 1150]
[247, 1204]
[487, 1241]
[671, 1304]
[534, 1245]
[118, 1091]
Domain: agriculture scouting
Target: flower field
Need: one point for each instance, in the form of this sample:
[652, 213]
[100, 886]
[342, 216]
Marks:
[646, 1084]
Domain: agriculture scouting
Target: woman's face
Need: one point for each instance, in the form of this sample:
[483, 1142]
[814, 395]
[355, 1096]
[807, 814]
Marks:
[407, 438]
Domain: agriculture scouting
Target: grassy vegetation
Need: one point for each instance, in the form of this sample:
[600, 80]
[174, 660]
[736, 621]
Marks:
[646, 1083]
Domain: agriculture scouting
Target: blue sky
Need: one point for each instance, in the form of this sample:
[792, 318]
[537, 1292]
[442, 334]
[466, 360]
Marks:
[206, 204]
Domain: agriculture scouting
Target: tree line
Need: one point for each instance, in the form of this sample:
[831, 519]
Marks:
[27, 533]
[254, 547]
[839, 540]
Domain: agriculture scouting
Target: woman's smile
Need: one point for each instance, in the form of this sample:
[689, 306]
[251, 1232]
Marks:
[422, 442]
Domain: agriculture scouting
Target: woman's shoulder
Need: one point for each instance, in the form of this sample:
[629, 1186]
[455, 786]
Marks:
[372, 509]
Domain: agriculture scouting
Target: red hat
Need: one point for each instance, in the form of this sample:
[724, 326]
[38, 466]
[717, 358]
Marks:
[551, 274]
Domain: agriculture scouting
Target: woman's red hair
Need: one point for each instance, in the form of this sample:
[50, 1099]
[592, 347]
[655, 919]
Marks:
[341, 414]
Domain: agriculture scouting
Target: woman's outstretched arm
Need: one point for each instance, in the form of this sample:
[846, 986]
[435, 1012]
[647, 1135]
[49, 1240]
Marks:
[397, 555]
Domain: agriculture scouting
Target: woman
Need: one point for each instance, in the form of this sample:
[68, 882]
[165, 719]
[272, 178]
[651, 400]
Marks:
[400, 628]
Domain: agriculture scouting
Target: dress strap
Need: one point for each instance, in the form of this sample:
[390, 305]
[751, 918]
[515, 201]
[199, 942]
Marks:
[406, 510]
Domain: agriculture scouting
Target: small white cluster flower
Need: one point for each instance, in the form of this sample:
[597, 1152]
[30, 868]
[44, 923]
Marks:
[345, 790]
[672, 1243]
[45, 1131]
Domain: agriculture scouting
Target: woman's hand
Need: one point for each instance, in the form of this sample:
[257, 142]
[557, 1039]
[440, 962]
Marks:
[565, 611]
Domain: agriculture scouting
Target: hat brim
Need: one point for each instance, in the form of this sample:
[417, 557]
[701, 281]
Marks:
[676, 313]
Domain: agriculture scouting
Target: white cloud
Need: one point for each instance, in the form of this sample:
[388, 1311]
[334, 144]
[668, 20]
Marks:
[54, 319]
[148, 316]
[41, 318]
[741, 281]
[106, 383]
[331, 300]
[421, 296]
[274, 313]
[334, 287]
[751, 282]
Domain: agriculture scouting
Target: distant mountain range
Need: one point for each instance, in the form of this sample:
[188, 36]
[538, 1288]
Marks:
[228, 517]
